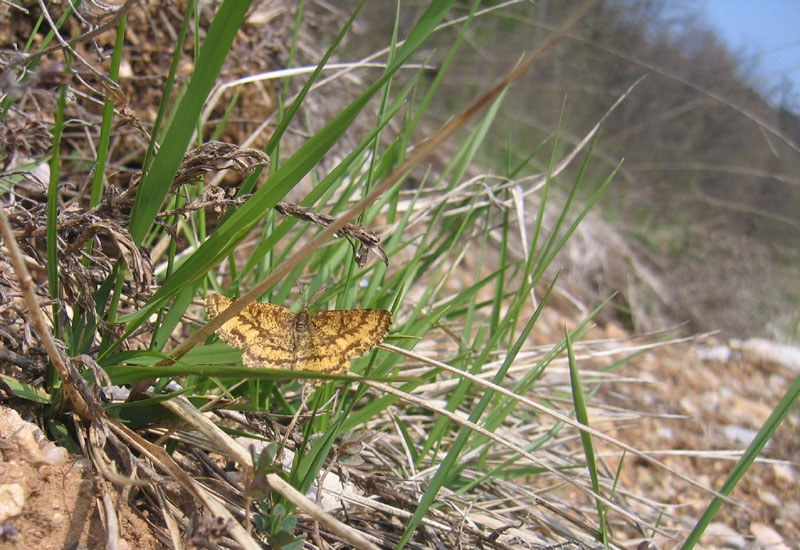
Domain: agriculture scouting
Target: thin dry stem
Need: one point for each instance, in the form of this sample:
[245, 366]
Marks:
[111, 86]
[184, 409]
[550, 412]
[384, 388]
[112, 522]
[38, 320]
[161, 458]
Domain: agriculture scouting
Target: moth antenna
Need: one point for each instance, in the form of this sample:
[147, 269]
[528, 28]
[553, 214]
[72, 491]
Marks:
[318, 294]
[301, 291]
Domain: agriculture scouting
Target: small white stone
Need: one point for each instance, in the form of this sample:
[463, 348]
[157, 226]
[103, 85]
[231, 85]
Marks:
[769, 498]
[739, 434]
[12, 500]
[761, 350]
[767, 537]
[718, 354]
[784, 473]
[725, 537]
[53, 454]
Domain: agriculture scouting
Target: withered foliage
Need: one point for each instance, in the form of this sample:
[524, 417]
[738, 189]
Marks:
[90, 242]
[18, 344]
[208, 533]
[209, 157]
[368, 240]
[88, 245]
[24, 137]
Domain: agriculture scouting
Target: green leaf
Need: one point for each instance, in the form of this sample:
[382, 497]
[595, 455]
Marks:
[26, 391]
[238, 225]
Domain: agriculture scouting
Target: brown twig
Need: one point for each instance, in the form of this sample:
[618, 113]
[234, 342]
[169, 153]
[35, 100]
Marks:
[181, 407]
[164, 461]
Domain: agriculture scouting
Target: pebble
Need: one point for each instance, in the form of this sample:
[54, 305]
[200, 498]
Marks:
[759, 350]
[716, 354]
[784, 472]
[725, 537]
[739, 434]
[12, 500]
[767, 537]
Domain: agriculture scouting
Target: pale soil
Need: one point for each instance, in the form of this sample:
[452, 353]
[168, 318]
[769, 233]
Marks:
[51, 501]
[721, 405]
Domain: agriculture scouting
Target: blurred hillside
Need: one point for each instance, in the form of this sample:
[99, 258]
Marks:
[708, 196]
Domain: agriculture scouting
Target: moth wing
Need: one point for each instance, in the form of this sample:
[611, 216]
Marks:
[339, 335]
[266, 330]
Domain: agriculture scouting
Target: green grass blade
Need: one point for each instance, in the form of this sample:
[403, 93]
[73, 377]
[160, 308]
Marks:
[169, 85]
[766, 432]
[449, 463]
[283, 123]
[582, 416]
[156, 183]
[108, 117]
[26, 391]
[53, 195]
[327, 183]
[556, 242]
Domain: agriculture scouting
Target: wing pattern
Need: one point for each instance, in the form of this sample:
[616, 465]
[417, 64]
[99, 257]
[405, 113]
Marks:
[276, 338]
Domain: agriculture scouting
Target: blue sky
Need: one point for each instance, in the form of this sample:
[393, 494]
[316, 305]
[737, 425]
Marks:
[766, 32]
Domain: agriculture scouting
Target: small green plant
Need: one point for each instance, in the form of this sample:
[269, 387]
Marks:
[278, 526]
